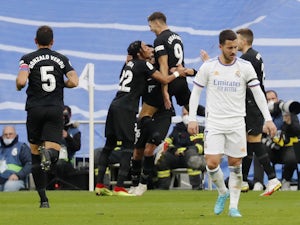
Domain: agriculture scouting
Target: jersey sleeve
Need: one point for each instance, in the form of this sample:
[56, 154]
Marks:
[201, 77]
[150, 69]
[159, 47]
[68, 65]
[23, 64]
[250, 75]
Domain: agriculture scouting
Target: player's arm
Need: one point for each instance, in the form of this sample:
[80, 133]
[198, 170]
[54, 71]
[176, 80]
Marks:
[164, 69]
[22, 77]
[179, 72]
[190, 72]
[204, 55]
[72, 80]
[193, 126]
[187, 71]
[261, 102]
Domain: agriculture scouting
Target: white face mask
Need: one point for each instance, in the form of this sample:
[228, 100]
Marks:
[185, 119]
[271, 106]
[8, 141]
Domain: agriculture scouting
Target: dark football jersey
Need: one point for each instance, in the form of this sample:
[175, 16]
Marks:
[46, 77]
[256, 60]
[254, 118]
[133, 84]
[169, 43]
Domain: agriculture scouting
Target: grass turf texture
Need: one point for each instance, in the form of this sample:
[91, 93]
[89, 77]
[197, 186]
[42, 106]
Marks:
[184, 207]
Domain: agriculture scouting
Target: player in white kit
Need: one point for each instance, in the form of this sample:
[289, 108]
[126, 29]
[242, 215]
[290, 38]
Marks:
[226, 78]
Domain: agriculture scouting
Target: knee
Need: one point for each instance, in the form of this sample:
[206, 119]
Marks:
[213, 161]
[145, 121]
[155, 138]
[211, 164]
[236, 169]
[11, 186]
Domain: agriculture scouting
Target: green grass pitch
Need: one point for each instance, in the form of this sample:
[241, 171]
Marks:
[182, 207]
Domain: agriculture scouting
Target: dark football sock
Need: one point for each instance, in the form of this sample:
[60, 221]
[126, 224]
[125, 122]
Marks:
[103, 163]
[136, 172]
[247, 160]
[263, 158]
[148, 168]
[39, 177]
[124, 167]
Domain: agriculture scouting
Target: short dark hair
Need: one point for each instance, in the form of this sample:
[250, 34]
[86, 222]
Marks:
[247, 34]
[134, 48]
[44, 35]
[150, 46]
[157, 16]
[227, 35]
[66, 107]
[272, 91]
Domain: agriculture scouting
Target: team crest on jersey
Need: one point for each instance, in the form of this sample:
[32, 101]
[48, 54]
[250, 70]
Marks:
[216, 73]
[238, 73]
[14, 152]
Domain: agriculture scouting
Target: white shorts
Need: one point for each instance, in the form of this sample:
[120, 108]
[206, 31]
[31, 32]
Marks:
[232, 143]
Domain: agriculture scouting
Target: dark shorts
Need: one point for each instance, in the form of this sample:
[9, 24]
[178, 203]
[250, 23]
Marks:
[158, 128]
[154, 97]
[44, 124]
[254, 119]
[178, 88]
[120, 126]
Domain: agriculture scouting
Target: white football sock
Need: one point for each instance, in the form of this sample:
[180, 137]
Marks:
[235, 184]
[217, 177]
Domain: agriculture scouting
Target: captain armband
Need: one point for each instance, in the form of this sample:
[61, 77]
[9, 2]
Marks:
[24, 67]
[253, 82]
[195, 72]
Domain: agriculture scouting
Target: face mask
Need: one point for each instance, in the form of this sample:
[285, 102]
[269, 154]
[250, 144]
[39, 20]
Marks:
[185, 119]
[8, 141]
[271, 106]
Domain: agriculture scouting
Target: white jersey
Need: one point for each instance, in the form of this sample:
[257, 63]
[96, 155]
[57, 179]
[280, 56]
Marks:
[225, 91]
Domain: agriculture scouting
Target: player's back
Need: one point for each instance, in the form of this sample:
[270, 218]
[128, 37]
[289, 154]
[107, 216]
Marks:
[169, 43]
[256, 60]
[46, 78]
[133, 84]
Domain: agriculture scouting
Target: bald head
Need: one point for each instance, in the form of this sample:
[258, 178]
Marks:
[9, 132]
